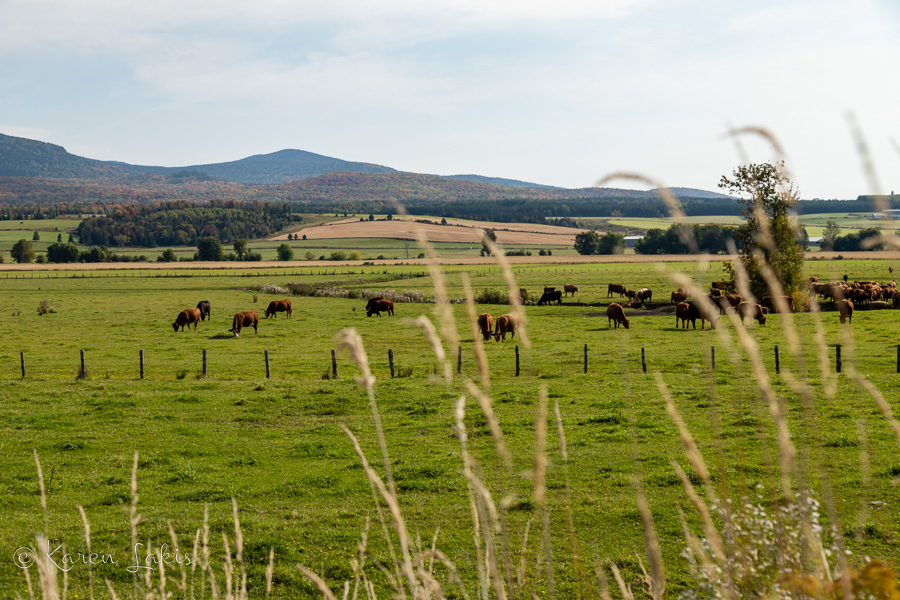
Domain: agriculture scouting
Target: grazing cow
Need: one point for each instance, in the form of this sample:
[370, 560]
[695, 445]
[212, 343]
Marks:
[678, 296]
[570, 289]
[814, 279]
[698, 311]
[616, 288]
[505, 324]
[486, 325]
[715, 293]
[772, 303]
[548, 288]
[645, 295]
[845, 307]
[277, 306]
[615, 312]
[681, 314]
[378, 306]
[186, 317]
[896, 299]
[752, 311]
[631, 295]
[247, 318]
[549, 297]
[732, 300]
[879, 305]
[204, 307]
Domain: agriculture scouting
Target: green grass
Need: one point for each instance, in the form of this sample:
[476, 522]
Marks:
[276, 447]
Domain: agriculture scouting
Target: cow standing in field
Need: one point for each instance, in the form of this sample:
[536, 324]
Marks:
[379, 305]
[616, 288]
[615, 313]
[205, 308]
[679, 295]
[752, 311]
[645, 295]
[570, 289]
[486, 325]
[845, 307]
[548, 297]
[277, 306]
[247, 318]
[698, 311]
[773, 304]
[186, 317]
[681, 314]
[505, 324]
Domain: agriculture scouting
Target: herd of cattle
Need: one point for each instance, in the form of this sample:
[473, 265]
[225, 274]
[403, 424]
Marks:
[845, 295]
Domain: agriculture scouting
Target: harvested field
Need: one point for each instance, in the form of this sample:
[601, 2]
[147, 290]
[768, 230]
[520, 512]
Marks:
[456, 230]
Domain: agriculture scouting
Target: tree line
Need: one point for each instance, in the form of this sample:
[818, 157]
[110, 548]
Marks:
[184, 223]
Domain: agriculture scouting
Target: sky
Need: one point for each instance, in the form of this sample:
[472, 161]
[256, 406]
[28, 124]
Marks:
[560, 93]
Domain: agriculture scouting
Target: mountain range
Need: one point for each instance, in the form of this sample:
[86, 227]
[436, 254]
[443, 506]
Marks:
[32, 171]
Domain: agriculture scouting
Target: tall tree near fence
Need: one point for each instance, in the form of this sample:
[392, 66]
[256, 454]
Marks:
[767, 196]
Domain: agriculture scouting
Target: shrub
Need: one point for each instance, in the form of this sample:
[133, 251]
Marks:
[489, 296]
[338, 255]
[44, 307]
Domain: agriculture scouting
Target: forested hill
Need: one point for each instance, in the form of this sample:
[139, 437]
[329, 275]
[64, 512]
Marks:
[278, 167]
[20, 157]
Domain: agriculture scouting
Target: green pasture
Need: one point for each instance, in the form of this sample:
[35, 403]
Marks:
[275, 445]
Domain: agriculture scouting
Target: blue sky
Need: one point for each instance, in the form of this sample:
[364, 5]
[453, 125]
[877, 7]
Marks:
[559, 93]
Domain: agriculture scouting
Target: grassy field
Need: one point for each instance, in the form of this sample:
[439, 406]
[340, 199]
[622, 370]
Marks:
[275, 445]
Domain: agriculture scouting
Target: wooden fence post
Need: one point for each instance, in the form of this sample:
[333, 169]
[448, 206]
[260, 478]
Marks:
[517, 361]
[713, 355]
[837, 359]
[142, 363]
[333, 365]
[204, 362]
[268, 371]
[459, 360]
[898, 361]
[777, 360]
[83, 373]
[643, 360]
[22, 358]
[585, 360]
[391, 362]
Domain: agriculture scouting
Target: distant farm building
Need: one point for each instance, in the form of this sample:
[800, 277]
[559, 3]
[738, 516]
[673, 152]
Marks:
[891, 213]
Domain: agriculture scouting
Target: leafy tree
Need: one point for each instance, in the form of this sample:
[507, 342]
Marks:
[830, 235]
[285, 252]
[390, 216]
[309, 255]
[587, 242]
[338, 255]
[22, 251]
[491, 235]
[371, 217]
[62, 253]
[121, 240]
[864, 239]
[168, 255]
[36, 237]
[240, 248]
[767, 228]
[355, 255]
[209, 248]
[611, 243]
[304, 236]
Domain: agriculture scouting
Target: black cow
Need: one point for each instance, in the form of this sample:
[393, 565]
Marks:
[548, 297]
[204, 307]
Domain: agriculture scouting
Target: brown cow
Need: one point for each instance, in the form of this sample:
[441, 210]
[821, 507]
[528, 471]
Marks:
[570, 289]
[378, 306]
[681, 314]
[615, 312]
[186, 317]
[678, 296]
[617, 288]
[631, 295]
[486, 325]
[698, 311]
[277, 306]
[715, 293]
[732, 300]
[752, 311]
[548, 288]
[247, 318]
[845, 307]
[771, 302]
[505, 324]
[814, 279]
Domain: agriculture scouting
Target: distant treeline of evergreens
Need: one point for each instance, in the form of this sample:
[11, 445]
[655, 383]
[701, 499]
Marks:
[183, 223]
